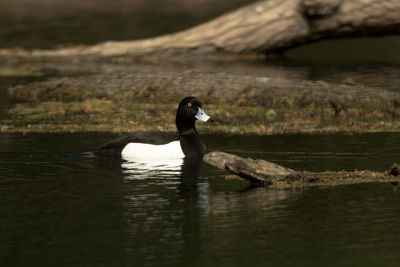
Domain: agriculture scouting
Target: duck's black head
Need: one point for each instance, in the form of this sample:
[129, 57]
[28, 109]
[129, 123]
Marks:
[190, 110]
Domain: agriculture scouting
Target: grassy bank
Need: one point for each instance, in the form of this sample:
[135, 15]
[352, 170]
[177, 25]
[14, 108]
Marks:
[241, 104]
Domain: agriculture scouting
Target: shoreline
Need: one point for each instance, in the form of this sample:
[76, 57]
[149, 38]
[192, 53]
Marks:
[242, 104]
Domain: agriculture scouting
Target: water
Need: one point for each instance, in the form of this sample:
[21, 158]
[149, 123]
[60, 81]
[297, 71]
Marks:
[59, 208]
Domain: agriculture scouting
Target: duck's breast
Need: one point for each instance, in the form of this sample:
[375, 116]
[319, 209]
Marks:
[140, 150]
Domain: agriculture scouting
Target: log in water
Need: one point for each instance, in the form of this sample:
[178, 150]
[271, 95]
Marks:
[268, 173]
[253, 170]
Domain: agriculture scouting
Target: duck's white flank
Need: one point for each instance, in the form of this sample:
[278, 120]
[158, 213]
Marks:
[140, 150]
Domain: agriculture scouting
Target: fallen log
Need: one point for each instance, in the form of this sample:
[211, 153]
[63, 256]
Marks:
[272, 26]
[271, 174]
[253, 170]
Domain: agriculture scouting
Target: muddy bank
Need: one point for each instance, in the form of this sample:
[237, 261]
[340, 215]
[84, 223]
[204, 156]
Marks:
[124, 102]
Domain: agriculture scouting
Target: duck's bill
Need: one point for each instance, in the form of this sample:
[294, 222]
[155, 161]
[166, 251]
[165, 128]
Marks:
[202, 116]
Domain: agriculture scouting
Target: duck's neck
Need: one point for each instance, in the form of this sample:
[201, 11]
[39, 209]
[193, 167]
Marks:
[190, 141]
[191, 145]
[185, 127]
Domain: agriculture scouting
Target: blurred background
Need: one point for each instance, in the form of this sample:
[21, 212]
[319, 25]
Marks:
[48, 24]
[51, 23]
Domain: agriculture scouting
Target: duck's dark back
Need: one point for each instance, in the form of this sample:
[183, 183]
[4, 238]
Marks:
[114, 148]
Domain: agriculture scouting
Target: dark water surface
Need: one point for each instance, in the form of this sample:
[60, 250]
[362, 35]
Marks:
[59, 208]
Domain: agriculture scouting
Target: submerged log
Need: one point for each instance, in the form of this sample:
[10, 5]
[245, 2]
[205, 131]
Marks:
[263, 27]
[253, 170]
[261, 171]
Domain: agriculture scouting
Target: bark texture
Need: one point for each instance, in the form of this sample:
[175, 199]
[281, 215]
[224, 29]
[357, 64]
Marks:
[264, 27]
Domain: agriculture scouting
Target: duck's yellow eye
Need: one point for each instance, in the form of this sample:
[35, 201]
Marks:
[189, 104]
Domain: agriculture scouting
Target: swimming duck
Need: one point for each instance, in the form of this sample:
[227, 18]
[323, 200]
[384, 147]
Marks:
[164, 145]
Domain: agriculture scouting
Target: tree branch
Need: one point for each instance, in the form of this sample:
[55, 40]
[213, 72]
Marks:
[263, 27]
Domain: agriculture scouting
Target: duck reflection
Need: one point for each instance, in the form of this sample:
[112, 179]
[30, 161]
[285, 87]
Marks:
[189, 186]
[182, 174]
[143, 168]
[183, 171]
[170, 204]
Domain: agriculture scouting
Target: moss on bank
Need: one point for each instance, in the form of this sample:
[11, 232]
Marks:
[241, 104]
[95, 114]
[13, 72]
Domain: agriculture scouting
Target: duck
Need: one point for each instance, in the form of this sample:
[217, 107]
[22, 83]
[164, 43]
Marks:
[162, 145]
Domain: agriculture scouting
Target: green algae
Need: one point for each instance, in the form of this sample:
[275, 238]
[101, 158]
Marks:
[11, 72]
[116, 114]
[241, 105]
